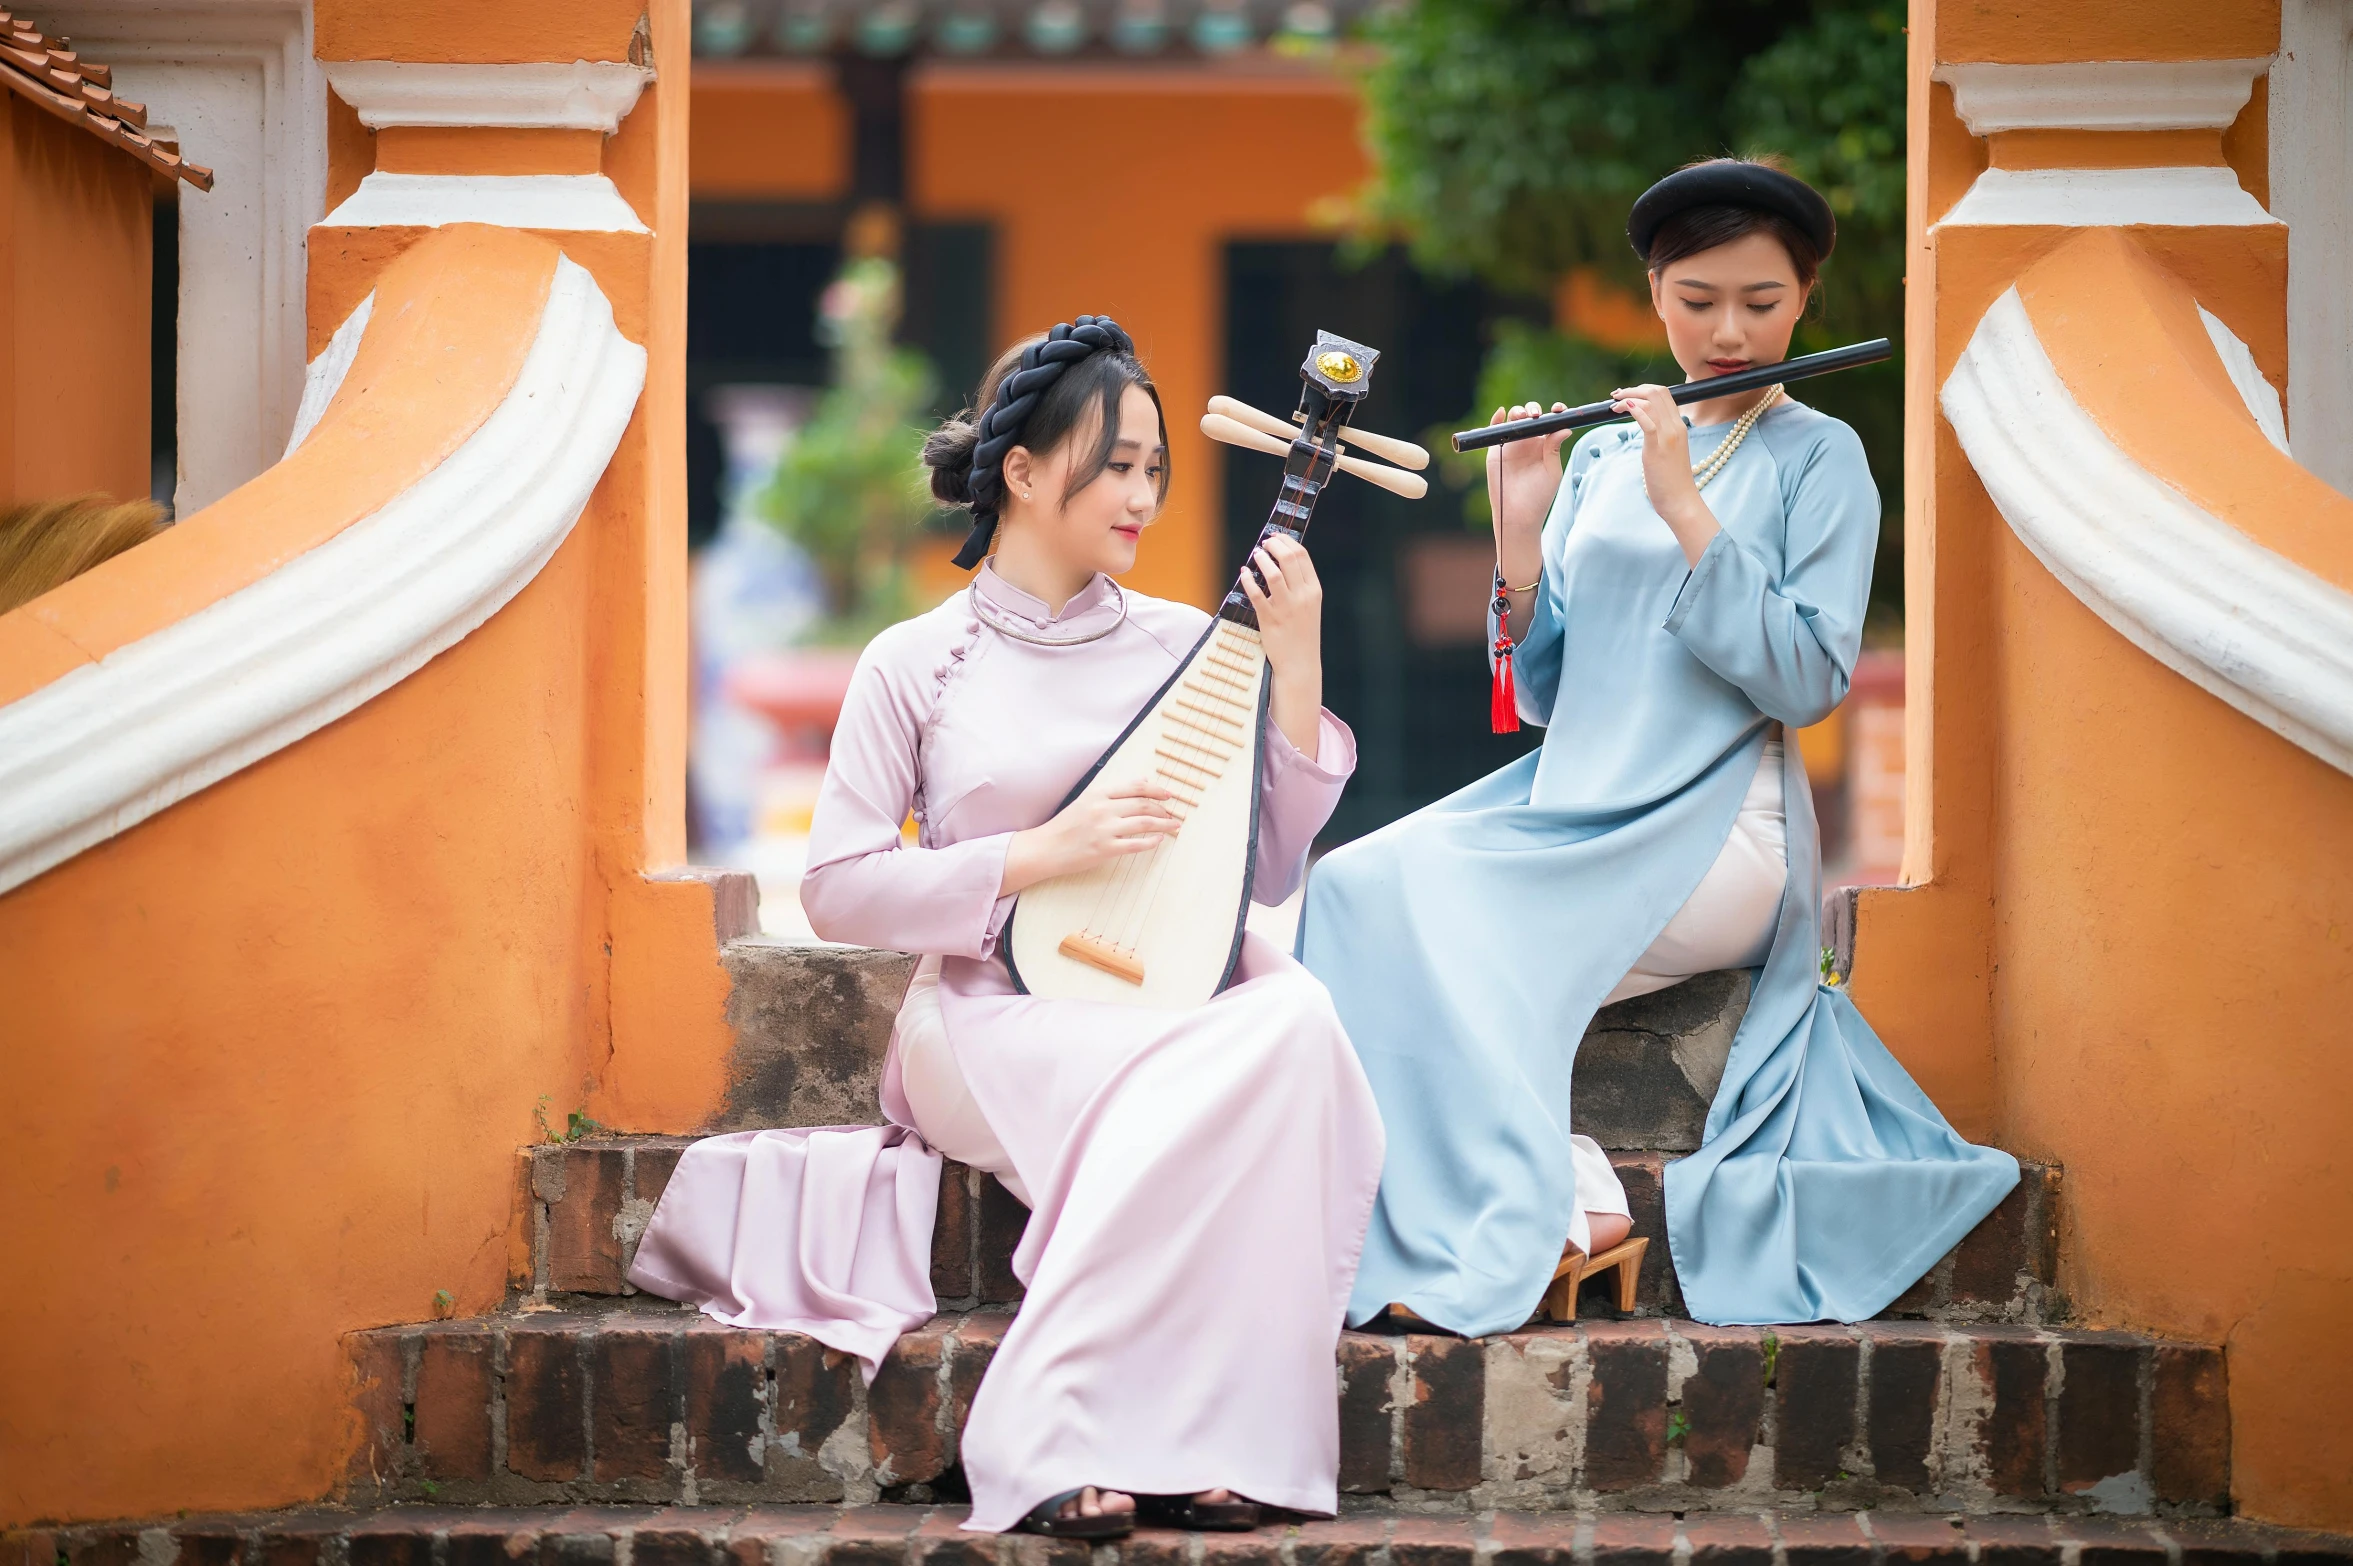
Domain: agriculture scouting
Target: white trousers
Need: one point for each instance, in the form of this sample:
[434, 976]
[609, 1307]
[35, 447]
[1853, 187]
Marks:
[1727, 922]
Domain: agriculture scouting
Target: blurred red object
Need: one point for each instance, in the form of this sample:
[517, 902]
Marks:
[799, 691]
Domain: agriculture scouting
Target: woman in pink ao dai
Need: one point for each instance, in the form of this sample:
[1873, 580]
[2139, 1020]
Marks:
[1199, 1180]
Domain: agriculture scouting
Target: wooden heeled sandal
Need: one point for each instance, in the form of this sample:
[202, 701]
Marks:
[1560, 1301]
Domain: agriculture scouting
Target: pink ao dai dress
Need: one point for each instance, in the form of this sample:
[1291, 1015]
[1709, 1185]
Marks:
[1199, 1180]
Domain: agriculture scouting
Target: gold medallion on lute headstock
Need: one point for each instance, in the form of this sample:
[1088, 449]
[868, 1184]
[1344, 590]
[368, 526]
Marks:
[1164, 927]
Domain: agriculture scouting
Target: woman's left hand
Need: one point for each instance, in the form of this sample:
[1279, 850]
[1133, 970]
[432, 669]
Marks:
[1666, 466]
[1290, 611]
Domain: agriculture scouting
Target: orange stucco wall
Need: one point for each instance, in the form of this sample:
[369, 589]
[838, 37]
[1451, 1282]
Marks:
[768, 130]
[1111, 191]
[75, 262]
[2127, 948]
[271, 1051]
[1115, 193]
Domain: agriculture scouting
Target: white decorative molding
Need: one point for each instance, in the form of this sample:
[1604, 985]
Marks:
[2311, 171]
[327, 372]
[2118, 95]
[2261, 398]
[2257, 630]
[585, 95]
[549, 201]
[235, 82]
[111, 743]
[2108, 198]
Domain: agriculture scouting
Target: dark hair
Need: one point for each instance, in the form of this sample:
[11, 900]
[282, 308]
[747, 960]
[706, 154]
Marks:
[967, 465]
[1694, 229]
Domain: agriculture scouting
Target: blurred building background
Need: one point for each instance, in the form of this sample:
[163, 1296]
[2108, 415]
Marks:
[1186, 166]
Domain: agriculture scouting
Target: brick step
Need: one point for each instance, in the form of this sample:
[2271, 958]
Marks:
[590, 1201]
[643, 1401]
[812, 1024]
[930, 1536]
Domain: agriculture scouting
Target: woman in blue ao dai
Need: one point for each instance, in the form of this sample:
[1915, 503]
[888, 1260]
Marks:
[1667, 639]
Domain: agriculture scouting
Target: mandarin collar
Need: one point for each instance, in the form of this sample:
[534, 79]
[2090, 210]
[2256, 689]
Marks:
[1090, 608]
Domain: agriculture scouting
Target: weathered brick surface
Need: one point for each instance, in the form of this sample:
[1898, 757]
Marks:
[546, 1397]
[1432, 1541]
[1906, 1375]
[1728, 1540]
[380, 1397]
[2099, 1408]
[1002, 1218]
[1824, 1539]
[1626, 1422]
[1444, 1412]
[976, 1340]
[816, 1394]
[584, 1253]
[1345, 1541]
[454, 1375]
[1723, 1404]
[595, 1196]
[726, 1393]
[641, 1402]
[1816, 1374]
[2114, 1542]
[2190, 1423]
[1644, 1177]
[905, 1424]
[1367, 1366]
[632, 1398]
[1530, 1539]
[1909, 1539]
[2013, 1367]
[1631, 1539]
[2011, 1540]
[1988, 1261]
[953, 1274]
[917, 1536]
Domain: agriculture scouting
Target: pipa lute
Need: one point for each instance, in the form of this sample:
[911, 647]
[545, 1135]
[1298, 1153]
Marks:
[1164, 927]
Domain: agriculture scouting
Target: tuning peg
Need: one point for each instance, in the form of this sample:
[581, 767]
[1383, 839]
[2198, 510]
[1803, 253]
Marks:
[1402, 452]
[1233, 432]
[1387, 447]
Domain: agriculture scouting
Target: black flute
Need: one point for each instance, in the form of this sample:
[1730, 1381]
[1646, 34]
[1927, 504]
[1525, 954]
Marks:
[1738, 381]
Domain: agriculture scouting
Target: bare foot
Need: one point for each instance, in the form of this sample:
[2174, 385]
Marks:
[1092, 1502]
[1216, 1497]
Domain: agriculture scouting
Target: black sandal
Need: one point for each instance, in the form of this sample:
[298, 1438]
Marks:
[1046, 1518]
[1195, 1515]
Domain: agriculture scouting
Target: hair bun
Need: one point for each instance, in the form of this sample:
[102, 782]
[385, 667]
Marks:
[947, 451]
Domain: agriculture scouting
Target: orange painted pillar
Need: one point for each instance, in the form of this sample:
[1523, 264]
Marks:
[2120, 949]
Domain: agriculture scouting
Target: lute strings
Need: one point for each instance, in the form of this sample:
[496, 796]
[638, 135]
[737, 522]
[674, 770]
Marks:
[1205, 721]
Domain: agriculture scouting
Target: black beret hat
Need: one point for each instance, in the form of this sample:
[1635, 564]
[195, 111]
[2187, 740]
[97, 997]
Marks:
[1732, 182]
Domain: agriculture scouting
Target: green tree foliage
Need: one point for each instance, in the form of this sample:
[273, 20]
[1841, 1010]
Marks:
[850, 487]
[1511, 136]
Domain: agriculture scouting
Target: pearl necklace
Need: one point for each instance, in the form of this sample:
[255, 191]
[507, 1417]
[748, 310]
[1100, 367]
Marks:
[1003, 624]
[1707, 470]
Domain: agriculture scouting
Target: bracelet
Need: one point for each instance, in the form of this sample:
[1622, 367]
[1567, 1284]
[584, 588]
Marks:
[1531, 587]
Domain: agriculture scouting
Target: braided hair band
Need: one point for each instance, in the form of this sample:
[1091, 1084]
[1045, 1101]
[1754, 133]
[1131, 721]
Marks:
[1018, 395]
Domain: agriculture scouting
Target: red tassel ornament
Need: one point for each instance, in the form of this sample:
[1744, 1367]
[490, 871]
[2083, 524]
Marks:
[1504, 703]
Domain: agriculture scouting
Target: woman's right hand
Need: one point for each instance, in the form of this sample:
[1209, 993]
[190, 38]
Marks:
[1523, 475]
[1522, 478]
[1091, 830]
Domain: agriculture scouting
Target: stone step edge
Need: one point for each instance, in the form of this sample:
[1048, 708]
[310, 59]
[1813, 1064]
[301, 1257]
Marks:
[589, 1202]
[932, 1536]
[643, 1405]
[812, 1024]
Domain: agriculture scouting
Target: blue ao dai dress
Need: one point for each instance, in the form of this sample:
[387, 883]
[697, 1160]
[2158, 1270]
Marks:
[1468, 945]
